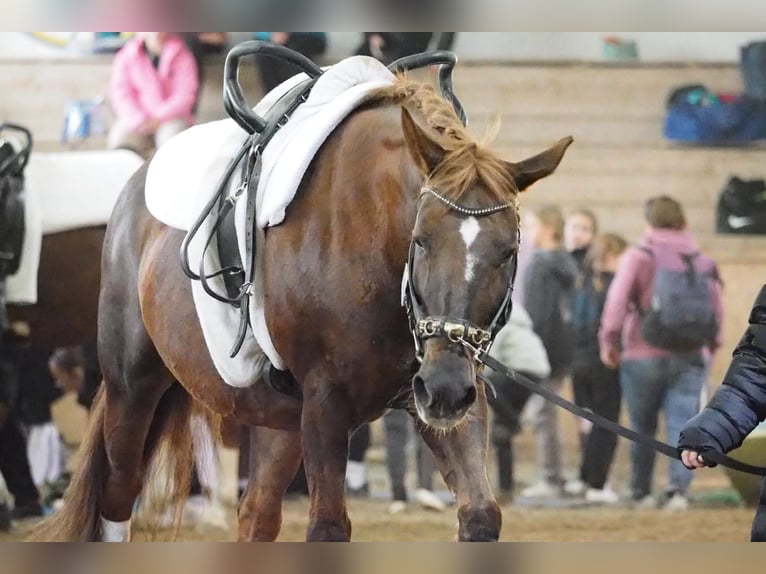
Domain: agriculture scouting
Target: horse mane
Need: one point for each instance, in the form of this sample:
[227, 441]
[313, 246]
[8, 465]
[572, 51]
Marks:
[467, 161]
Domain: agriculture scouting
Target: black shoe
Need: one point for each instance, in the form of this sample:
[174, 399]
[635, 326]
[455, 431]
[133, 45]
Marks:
[5, 518]
[31, 510]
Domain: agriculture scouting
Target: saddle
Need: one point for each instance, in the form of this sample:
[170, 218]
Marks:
[13, 160]
[238, 275]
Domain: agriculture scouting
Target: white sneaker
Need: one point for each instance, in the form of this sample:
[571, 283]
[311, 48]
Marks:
[542, 489]
[397, 507]
[648, 502]
[602, 495]
[429, 500]
[676, 503]
[575, 487]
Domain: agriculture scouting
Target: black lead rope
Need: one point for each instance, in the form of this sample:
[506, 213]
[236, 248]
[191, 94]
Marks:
[661, 447]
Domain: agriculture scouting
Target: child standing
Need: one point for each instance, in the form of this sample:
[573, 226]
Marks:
[548, 286]
[596, 386]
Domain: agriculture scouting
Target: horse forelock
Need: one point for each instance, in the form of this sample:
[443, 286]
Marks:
[467, 161]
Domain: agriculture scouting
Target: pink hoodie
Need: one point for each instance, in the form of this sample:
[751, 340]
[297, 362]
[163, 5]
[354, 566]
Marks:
[139, 92]
[620, 322]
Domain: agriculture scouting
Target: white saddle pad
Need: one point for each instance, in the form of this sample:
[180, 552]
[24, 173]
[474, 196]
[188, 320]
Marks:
[187, 171]
[66, 191]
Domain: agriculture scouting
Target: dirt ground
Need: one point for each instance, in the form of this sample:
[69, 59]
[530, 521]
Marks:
[714, 515]
[372, 523]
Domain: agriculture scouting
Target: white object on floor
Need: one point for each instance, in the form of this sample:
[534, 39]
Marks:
[66, 191]
[186, 172]
[115, 531]
[397, 507]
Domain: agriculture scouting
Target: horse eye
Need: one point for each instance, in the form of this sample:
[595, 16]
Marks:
[421, 243]
[507, 255]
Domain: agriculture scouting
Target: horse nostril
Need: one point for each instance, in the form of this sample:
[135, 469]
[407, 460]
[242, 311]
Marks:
[421, 391]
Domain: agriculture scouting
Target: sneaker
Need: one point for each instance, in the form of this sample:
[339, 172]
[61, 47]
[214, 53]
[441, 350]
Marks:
[543, 489]
[397, 507]
[429, 500]
[676, 502]
[575, 487]
[647, 502]
[602, 495]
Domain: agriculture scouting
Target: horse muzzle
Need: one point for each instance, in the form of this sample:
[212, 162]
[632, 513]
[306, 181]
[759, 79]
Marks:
[445, 387]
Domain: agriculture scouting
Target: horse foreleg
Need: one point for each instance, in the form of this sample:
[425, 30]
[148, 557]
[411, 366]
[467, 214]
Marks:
[275, 456]
[461, 455]
[325, 427]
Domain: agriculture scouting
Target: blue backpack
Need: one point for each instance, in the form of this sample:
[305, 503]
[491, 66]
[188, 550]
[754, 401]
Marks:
[681, 315]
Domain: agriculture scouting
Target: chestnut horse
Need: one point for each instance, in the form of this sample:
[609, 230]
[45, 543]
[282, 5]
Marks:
[399, 176]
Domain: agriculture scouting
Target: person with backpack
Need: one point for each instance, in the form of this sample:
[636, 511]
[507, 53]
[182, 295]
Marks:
[661, 322]
[596, 387]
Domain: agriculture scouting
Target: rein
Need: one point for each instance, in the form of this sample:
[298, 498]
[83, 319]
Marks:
[511, 376]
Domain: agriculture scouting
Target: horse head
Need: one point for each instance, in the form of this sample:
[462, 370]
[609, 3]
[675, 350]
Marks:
[462, 261]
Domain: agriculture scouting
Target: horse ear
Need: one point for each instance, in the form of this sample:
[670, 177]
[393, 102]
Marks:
[426, 152]
[527, 172]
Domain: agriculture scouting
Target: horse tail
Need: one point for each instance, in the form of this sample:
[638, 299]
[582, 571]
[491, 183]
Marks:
[168, 460]
[78, 519]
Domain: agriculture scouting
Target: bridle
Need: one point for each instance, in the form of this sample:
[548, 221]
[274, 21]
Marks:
[457, 330]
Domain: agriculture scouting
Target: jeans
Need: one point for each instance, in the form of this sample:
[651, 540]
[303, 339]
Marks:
[545, 422]
[399, 427]
[674, 385]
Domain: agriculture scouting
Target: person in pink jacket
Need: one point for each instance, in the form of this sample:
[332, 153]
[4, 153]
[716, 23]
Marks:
[669, 377]
[153, 90]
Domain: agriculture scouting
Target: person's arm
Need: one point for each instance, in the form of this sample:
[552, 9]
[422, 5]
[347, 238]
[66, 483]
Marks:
[183, 91]
[717, 294]
[621, 293]
[739, 404]
[123, 95]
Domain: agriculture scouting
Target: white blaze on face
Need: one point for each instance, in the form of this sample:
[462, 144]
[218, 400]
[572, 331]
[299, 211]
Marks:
[469, 230]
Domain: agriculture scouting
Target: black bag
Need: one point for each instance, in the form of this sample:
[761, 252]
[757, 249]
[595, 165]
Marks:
[12, 163]
[752, 64]
[742, 207]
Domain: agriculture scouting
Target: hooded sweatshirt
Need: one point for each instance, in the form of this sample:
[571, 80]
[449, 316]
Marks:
[548, 286]
[517, 346]
[138, 91]
[631, 292]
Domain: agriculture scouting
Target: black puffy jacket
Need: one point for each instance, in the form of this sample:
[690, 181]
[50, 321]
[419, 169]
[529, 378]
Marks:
[739, 404]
